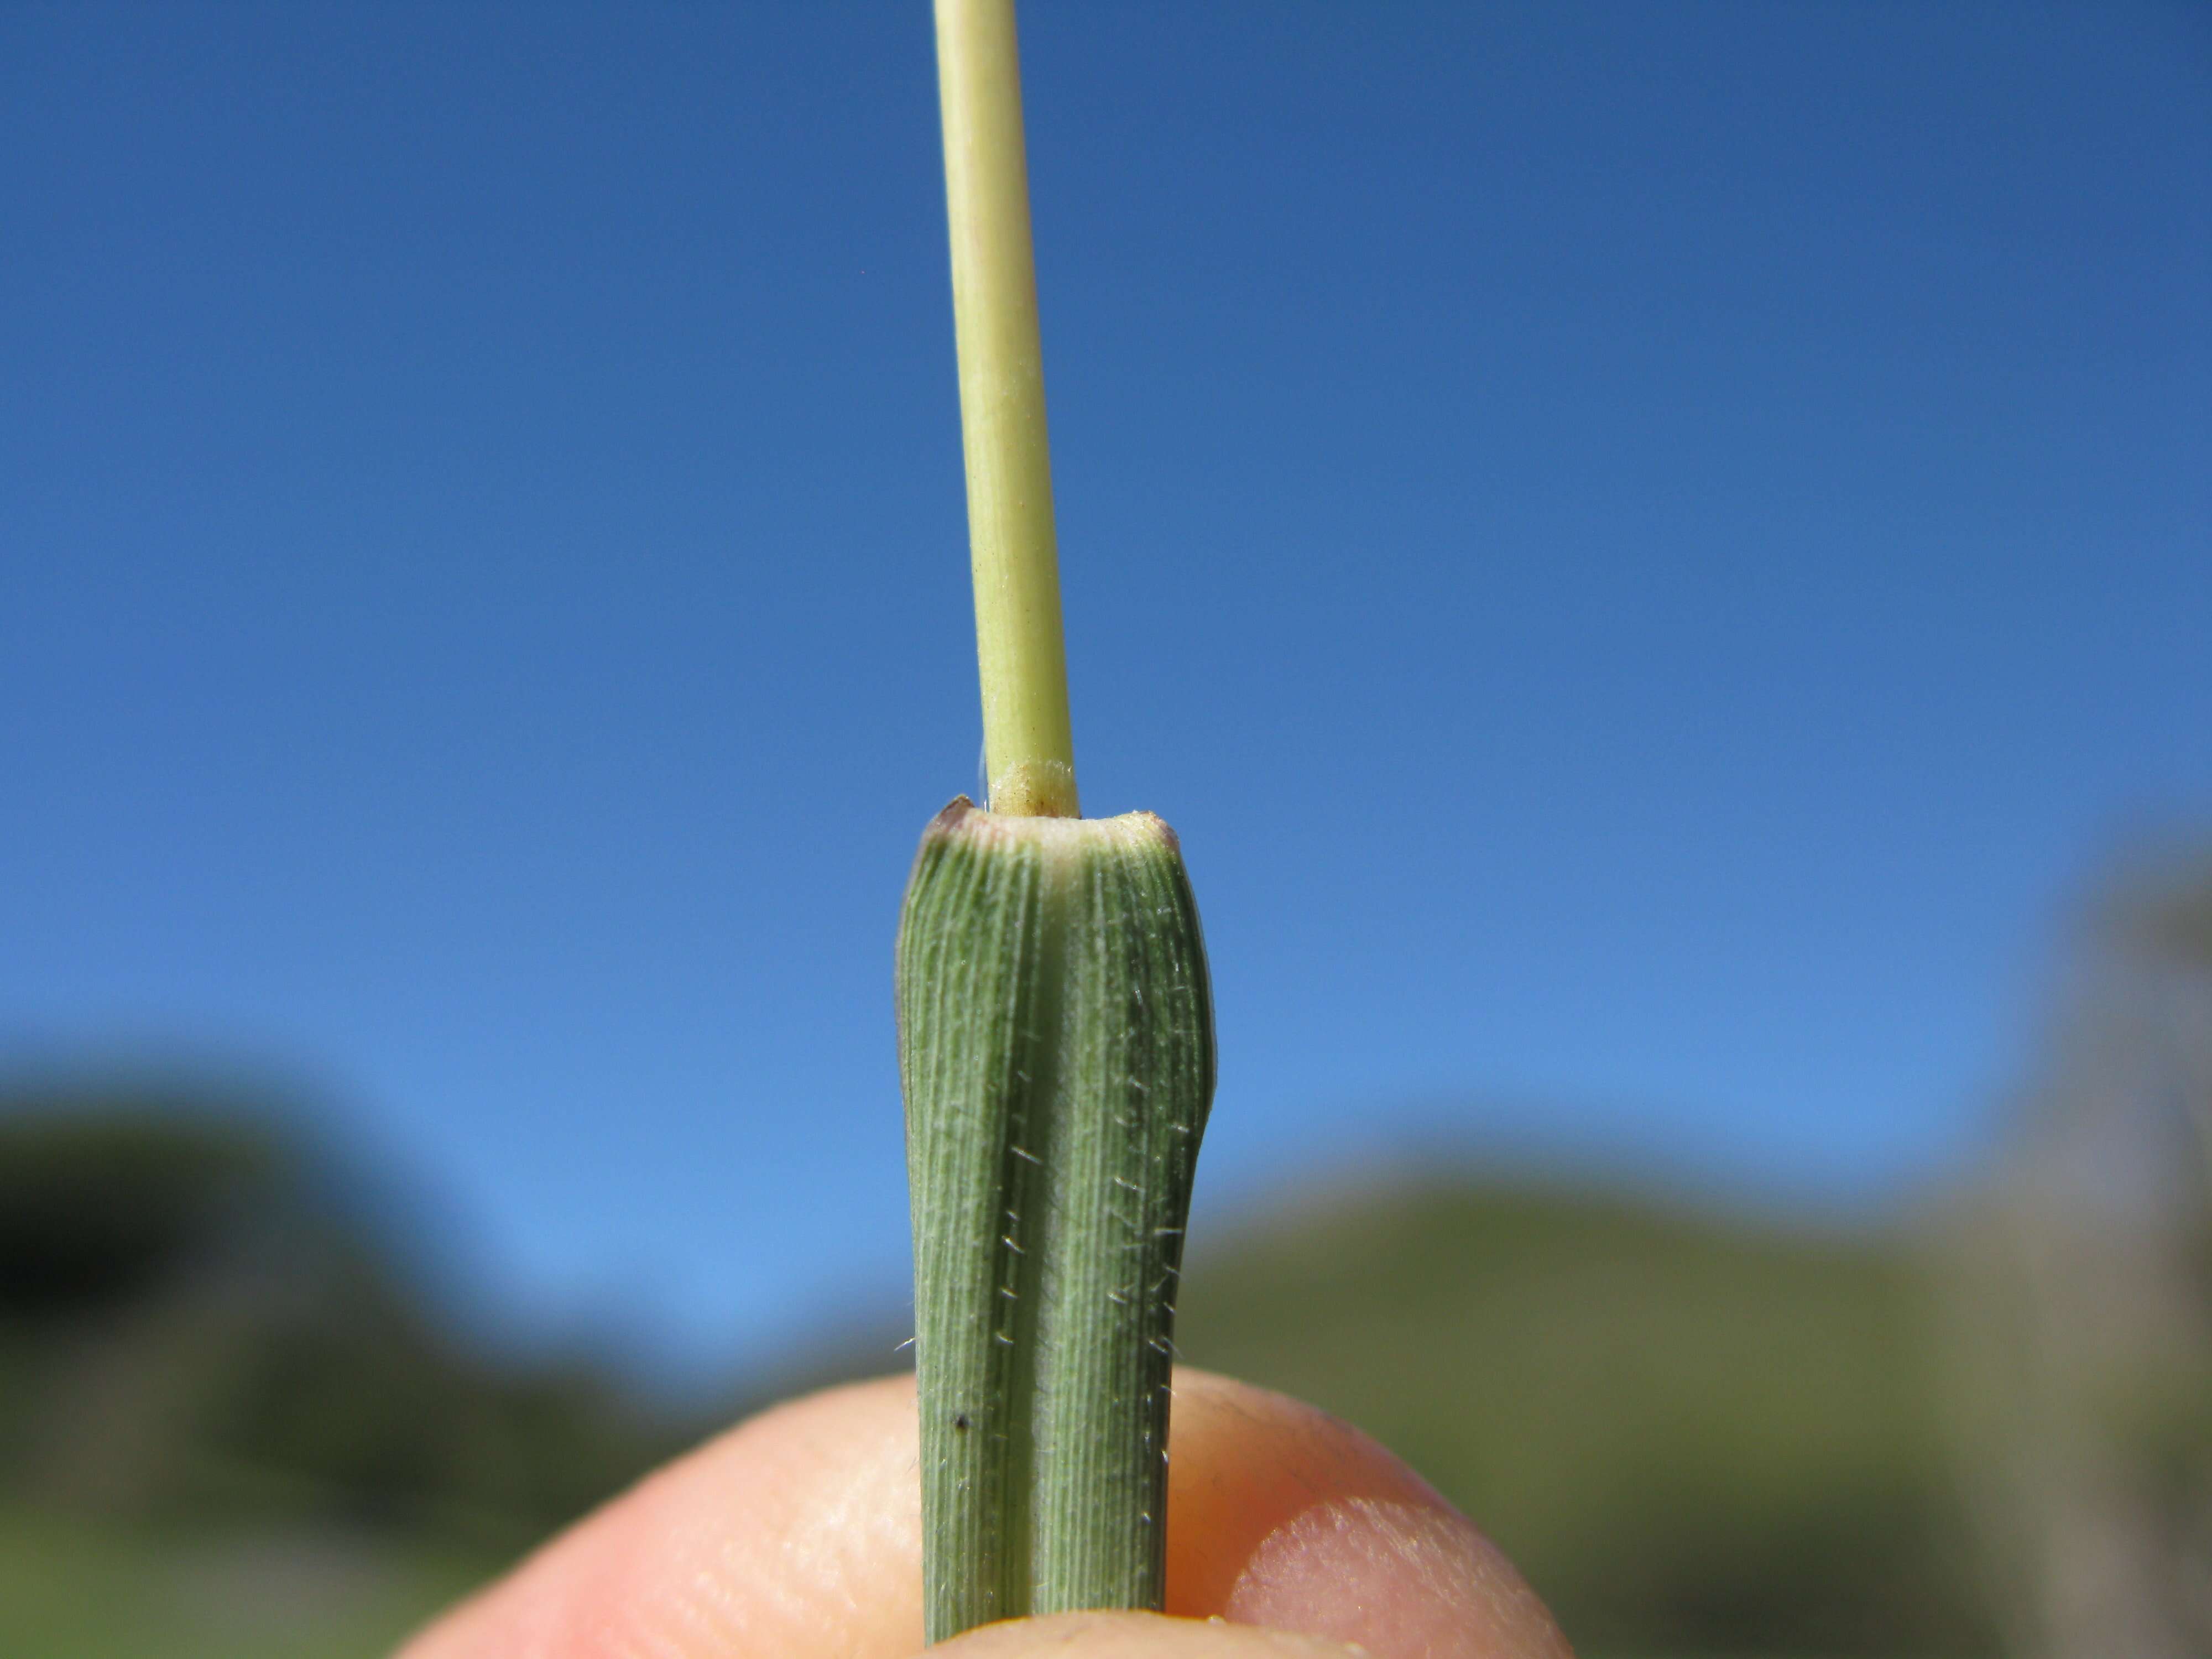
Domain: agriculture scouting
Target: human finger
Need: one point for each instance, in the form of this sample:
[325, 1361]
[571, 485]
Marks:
[799, 1533]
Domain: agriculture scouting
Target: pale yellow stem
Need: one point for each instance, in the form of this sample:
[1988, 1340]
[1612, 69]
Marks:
[1029, 749]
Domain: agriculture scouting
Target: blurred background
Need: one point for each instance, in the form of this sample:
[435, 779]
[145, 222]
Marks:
[1656, 554]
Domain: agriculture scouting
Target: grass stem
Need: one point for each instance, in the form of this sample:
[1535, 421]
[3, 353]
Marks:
[1029, 747]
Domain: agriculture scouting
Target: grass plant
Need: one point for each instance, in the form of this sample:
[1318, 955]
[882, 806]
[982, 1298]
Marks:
[1055, 1020]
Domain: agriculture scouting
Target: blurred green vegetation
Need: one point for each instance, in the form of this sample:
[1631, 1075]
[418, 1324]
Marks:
[235, 1417]
[231, 1421]
[77, 1589]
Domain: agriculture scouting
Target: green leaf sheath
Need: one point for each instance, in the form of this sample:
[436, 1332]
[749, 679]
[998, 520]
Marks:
[1056, 1047]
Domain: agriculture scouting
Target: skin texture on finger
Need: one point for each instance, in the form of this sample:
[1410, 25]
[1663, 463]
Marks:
[1282, 1515]
[799, 1534]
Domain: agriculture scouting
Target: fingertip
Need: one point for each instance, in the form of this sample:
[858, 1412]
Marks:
[1280, 1515]
[799, 1532]
[1394, 1578]
[1246, 1462]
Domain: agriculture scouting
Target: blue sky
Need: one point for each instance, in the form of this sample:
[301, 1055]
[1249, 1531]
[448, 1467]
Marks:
[1646, 550]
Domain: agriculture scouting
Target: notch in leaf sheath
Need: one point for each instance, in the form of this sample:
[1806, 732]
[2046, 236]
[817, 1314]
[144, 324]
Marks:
[1056, 1050]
